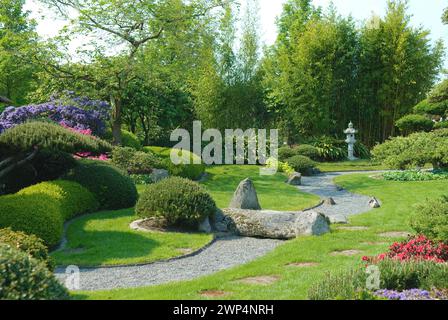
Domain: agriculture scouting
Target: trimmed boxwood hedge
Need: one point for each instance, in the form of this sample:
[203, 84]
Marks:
[25, 278]
[36, 214]
[72, 198]
[112, 187]
[177, 200]
[302, 164]
[27, 243]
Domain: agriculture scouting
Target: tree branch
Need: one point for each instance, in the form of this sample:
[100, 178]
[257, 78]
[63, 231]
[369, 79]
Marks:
[7, 170]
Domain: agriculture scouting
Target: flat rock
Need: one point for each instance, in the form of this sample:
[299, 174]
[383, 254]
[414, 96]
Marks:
[302, 264]
[261, 280]
[245, 196]
[276, 224]
[213, 293]
[395, 234]
[346, 253]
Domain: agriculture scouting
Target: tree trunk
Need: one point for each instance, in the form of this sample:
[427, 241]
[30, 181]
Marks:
[116, 119]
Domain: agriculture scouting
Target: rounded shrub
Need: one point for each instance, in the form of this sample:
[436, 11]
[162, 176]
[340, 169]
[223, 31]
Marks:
[134, 162]
[128, 139]
[177, 200]
[27, 243]
[286, 153]
[71, 197]
[302, 164]
[414, 123]
[111, 186]
[431, 219]
[307, 151]
[35, 214]
[25, 278]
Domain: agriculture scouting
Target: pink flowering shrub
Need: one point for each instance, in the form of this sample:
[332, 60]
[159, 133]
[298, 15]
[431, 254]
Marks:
[416, 248]
[85, 155]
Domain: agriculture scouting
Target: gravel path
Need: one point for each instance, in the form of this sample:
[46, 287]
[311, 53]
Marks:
[347, 203]
[224, 253]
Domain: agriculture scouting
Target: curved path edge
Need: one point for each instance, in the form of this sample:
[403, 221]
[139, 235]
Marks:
[222, 252]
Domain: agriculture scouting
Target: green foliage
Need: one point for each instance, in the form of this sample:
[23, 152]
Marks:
[431, 108]
[142, 178]
[35, 214]
[190, 171]
[71, 198]
[50, 165]
[431, 219]
[29, 244]
[415, 175]
[362, 151]
[18, 179]
[134, 162]
[329, 149]
[177, 200]
[414, 123]
[307, 151]
[395, 275]
[128, 139]
[415, 150]
[25, 278]
[17, 39]
[302, 164]
[112, 187]
[285, 153]
[441, 125]
[49, 136]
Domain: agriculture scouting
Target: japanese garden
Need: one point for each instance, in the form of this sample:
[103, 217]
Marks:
[344, 198]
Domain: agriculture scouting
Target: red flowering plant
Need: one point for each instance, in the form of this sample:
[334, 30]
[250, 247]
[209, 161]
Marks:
[415, 248]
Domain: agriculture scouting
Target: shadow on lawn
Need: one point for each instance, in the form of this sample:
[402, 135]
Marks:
[109, 246]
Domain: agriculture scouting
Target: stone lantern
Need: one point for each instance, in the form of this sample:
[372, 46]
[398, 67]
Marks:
[350, 132]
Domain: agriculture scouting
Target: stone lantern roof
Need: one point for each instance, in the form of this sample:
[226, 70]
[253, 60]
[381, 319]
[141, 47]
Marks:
[350, 129]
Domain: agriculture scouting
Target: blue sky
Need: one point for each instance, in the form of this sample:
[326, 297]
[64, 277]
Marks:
[425, 12]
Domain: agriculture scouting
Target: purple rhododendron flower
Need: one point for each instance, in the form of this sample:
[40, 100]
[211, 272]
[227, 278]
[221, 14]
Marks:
[80, 113]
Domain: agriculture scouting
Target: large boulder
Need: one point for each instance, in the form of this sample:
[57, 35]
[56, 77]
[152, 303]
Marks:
[295, 179]
[276, 224]
[245, 196]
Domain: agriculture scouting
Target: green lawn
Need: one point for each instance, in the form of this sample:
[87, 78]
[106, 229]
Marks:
[357, 165]
[104, 238]
[294, 282]
[273, 193]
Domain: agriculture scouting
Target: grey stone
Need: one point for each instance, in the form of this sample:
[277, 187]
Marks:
[205, 226]
[374, 203]
[295, 179]
[159, 174]
[330, 201]
[219, 222]
[337, 219]
[245, 196]
[276, 224]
